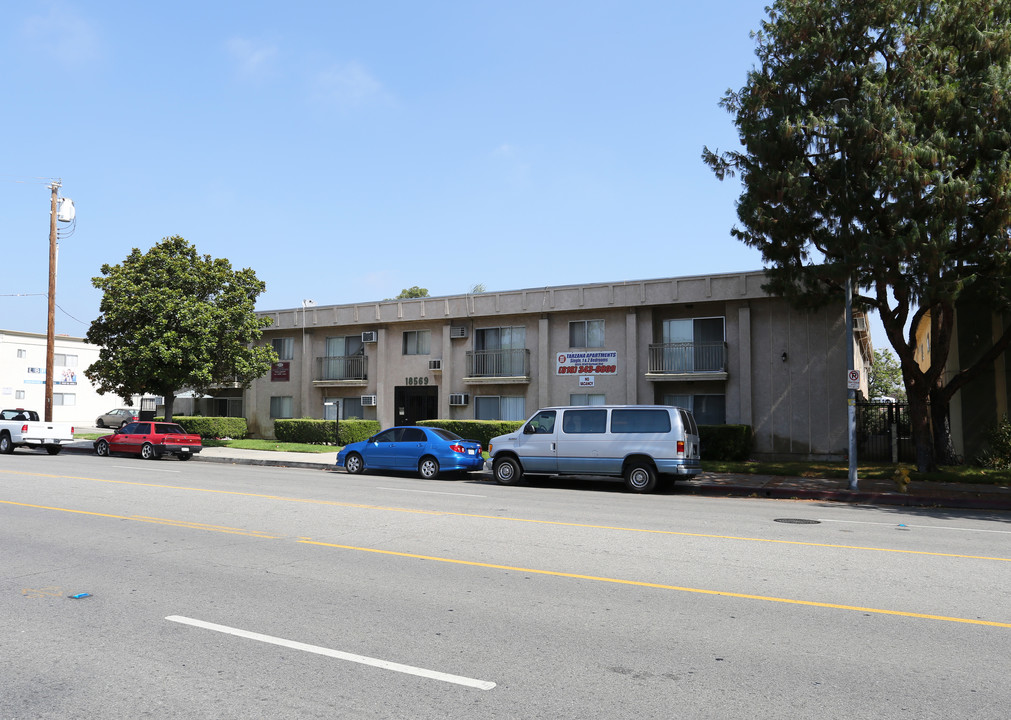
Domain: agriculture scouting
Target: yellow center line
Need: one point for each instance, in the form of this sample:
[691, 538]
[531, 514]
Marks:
[660, 586]
[511, 568]
[156, 521]
[501, 518]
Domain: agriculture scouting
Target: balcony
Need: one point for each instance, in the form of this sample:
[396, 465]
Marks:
[687, 361]
[498, 367]
[350, 370]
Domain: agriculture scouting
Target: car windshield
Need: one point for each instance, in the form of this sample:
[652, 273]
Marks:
[446, 434]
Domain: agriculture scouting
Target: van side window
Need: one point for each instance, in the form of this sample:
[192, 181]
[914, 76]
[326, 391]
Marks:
[543, 423]
[640, 421]
[584, 421]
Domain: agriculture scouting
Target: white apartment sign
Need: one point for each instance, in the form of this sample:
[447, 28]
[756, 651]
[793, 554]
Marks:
[587, 362]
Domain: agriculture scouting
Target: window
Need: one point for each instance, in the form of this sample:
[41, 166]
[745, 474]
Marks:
[280, 407]
[586, 399]
[22, 353]
[352, 408]
[500, 351]
[64, 398]
[694, 345]
[345, 346]
[414, 435]
[63, 360]
[417, 342]
[19, 394]
[586, 334]
[584, 422]
[499, 408]
[707, 409]
[284, 347]
[640, 421]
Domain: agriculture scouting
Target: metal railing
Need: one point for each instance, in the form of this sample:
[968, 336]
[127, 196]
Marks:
[345, 367]
[498, 363]
[687, 357]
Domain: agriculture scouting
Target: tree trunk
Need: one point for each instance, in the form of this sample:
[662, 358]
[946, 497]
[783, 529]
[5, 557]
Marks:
[170, 399]
[940, 423]
[919, 419]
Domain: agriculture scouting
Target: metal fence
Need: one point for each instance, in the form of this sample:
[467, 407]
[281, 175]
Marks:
[345, 367]
[687, 357]
[884, 433]
[498, 363]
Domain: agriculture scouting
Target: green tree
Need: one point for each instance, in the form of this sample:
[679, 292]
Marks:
[876, 147]
[173, 319]
[412, 292]
[885, 377]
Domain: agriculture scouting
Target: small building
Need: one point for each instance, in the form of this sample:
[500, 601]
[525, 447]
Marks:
[716, 344]
[23, 377]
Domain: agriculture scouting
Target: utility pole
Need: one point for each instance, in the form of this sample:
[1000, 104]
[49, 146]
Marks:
[51, 329]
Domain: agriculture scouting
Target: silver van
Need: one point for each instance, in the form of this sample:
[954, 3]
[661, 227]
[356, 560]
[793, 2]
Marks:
[636, 442]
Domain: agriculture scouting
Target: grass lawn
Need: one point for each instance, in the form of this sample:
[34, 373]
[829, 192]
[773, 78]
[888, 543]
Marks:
[870, 471]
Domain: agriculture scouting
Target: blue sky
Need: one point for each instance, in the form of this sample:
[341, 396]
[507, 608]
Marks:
[347, 150]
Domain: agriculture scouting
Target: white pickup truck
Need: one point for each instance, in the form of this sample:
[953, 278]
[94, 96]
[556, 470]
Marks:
[22, 428]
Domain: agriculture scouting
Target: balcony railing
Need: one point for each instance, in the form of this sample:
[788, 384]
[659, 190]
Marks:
[498, 363]
[346, 367]
[687, 357]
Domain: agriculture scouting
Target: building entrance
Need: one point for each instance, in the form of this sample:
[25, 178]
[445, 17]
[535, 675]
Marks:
[412, 404]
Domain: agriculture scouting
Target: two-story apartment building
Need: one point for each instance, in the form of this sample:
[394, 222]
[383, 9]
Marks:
[717, 344]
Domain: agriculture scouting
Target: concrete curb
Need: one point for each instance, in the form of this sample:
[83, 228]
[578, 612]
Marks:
[965, 501]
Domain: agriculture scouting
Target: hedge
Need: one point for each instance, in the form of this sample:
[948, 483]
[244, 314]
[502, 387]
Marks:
[725, 442]
[480, 430]
[213, 427]
[322, 432]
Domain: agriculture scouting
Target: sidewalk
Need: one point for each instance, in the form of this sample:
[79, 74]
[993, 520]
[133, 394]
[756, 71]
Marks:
[871, 492]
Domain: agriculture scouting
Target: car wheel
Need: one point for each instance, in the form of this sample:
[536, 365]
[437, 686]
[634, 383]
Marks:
[6, 446]
[507, 471]
[147, 451]
[184, 456]
[640, 478]
[102, 448]
[428, 468]
[353, 464]
[99, 423]
[54, 449]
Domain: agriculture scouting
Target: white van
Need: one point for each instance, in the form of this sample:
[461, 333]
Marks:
[636, 442]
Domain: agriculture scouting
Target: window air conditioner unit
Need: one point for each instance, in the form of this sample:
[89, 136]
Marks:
[860, 324]
[368, 400]
[458, 331]
[435, 365]
[370, 336]
[458, 399]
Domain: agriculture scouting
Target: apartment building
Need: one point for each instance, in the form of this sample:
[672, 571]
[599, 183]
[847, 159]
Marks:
[717, 344]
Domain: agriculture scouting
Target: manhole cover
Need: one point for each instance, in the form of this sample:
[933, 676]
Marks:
[798, 521]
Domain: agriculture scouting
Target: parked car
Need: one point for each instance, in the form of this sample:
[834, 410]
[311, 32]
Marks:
[23, 428]
[637, 442]
[150, 440]
[427, 450]
[117, 418]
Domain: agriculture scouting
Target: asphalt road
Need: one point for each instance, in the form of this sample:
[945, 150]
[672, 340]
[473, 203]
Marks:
[220, 591]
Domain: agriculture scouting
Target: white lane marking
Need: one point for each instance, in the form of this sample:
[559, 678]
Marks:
[925, 527]
[150, 469]
[362, 659]
[428, 492]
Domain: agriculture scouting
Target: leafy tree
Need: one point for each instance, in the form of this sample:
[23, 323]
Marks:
[876, 147]
[173, 319]
[412, 292]
[885, 378]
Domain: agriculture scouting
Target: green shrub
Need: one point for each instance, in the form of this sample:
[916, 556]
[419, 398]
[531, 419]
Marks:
[725, 442]
[306, 431]
[213, 427]
[481, 431]
[997, 455]
[350, 431]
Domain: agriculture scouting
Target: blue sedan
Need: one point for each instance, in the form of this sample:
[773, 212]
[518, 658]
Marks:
[427, 450]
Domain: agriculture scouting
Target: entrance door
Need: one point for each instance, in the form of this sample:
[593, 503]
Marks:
[415, 403]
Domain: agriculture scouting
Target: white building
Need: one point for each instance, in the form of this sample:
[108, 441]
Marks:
[23, 377]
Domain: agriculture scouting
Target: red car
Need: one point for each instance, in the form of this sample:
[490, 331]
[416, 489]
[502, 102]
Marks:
[150, 440]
